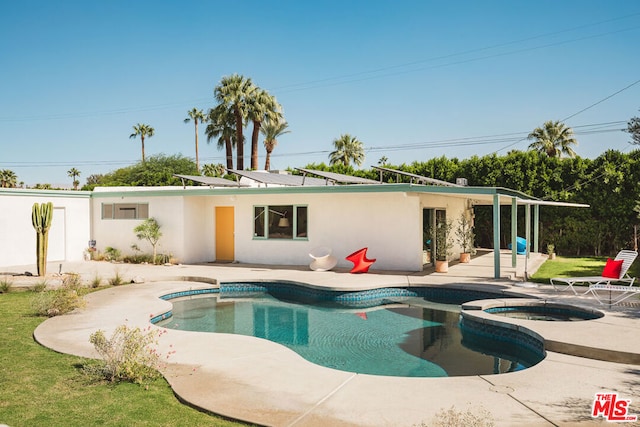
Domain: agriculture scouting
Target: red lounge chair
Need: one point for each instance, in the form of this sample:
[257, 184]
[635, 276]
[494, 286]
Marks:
[360, 261]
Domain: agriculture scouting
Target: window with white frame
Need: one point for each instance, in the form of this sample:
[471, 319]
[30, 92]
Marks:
[125, 210]
[280, 222]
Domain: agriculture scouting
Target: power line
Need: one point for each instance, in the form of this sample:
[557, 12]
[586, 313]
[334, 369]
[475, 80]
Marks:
[601, 101]
[594, 128]
[465, 61]
[579, 112]
[350, 77]
[467, 52]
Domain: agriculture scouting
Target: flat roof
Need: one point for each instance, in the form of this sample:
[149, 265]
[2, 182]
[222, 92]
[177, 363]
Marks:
[478, 195]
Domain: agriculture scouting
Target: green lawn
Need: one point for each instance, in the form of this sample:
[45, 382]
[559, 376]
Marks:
[578, 266]
[39, 387]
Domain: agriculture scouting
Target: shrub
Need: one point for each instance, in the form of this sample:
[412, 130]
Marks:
[129, 355]
[111, 254]
[117, 280]
[5, 285]
[73, 281]
[39, 286]
[162, 259]
[96, 281]
[65, 299]
[137, 258]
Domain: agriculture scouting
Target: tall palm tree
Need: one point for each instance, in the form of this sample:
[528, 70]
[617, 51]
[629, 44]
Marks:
[221, 125]
[144, 131]
[271, 131]
[8, 178]
[261, 106]
[234, 92]
[198, 117]
[73, 173]
[553, 139]
[347, 149]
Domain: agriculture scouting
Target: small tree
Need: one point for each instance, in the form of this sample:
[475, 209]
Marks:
[149, 230]
[464, 234]
[443, 241]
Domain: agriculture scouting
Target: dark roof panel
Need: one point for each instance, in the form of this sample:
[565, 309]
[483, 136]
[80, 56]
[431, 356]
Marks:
[338, 177]
[417, 178]
[278, 178]
[210, 181]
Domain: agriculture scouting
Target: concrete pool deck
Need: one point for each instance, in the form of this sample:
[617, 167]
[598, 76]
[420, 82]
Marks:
[265, 383]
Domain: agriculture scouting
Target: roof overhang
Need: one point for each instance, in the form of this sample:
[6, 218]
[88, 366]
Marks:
[551, 203]
[477, 195]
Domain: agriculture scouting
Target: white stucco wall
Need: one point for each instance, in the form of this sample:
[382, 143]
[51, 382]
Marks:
[118, 233]
[18, 238]
[387, 223]
[455, 207]
[199, 228]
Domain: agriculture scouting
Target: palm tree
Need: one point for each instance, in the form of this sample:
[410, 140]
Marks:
[347, 149]
[144, 131]
[8, 178]
[210, 169]
[272, 130]
[553, 139]
[221, 126]
[261, 106]
[234, 92]
[197, 116]
[73, 173]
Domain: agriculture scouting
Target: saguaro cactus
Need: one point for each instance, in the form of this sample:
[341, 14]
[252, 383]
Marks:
[41, 216]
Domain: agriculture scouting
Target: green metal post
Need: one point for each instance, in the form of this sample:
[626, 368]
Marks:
[496, 236]
[536, 228]
[514, 231]
[527, 219]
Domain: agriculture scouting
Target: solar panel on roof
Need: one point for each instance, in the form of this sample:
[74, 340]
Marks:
[418, 178]
[338, 177]
[278, 178]
[209, 180]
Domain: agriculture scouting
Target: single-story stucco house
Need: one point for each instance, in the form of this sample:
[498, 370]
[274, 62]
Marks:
[263, 218]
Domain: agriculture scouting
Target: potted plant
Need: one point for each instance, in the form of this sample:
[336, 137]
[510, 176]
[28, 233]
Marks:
[465, 237]
[443, 245]
[551, 250]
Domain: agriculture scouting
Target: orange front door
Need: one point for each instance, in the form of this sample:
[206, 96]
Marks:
[225, 233]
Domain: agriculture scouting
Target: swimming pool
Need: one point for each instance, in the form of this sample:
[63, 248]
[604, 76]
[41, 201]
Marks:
[408, 332]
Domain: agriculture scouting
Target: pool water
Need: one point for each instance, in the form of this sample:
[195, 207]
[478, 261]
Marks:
[411, 338]
[545, 313]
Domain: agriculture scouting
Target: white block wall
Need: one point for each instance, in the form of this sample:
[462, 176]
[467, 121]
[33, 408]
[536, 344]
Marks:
[70, 228]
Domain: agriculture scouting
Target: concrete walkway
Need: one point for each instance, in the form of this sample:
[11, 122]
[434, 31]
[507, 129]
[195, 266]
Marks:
[265, 383]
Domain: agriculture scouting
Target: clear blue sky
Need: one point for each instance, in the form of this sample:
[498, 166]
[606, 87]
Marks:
[411, 79]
